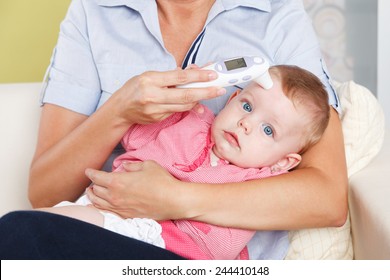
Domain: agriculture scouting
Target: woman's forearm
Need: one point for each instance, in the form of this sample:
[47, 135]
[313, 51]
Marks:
[69, 143]
[315, 195]
[299, 200]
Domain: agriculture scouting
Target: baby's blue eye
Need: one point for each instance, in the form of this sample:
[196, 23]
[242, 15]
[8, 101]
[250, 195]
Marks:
[268, 130]
[247, 107]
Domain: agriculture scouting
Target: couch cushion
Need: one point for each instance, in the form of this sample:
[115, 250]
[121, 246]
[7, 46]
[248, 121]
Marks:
[19, 119]
[363, 128]
[363, 123]
[369, 193]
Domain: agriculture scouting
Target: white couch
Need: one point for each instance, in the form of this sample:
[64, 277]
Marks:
[369, 186]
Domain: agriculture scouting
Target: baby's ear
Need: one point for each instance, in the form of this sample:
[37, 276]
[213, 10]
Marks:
[234, 94]
[286, 163]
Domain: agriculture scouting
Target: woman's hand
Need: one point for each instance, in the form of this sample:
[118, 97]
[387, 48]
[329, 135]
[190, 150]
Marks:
[144, 190]
[152, 96]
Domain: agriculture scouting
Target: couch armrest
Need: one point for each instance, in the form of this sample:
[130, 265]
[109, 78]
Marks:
[369, 195]
[19, 119]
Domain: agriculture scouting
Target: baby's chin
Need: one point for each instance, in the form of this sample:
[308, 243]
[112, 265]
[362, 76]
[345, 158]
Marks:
[239, 164]
[242, 163]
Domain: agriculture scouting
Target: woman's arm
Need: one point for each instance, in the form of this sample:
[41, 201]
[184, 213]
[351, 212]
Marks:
[69, 142]
[314, 195]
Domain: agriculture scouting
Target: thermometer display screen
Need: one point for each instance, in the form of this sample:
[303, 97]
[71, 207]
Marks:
[235, 63]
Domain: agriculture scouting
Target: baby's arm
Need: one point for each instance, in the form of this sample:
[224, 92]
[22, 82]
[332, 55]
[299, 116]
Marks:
[86, 213]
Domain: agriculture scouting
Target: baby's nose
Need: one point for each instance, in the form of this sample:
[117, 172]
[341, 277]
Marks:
[245, 124]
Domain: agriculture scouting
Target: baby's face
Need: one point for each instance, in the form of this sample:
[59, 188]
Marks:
[258, 127]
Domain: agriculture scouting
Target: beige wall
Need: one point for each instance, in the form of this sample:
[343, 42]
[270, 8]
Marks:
[28, 33]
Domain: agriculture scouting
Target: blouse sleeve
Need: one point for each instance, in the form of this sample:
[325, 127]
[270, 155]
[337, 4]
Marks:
[73, 80]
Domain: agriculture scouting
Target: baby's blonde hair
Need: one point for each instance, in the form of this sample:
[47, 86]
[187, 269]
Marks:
[305, 89]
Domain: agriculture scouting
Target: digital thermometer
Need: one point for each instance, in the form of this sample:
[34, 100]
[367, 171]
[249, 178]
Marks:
[235, 71]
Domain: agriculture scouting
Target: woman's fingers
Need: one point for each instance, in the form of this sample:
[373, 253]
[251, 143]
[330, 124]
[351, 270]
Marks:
[181, 77]
[96, 200]
[106, 190]
[167, 81]
[182, 96]
[152, 96]
[98, 177]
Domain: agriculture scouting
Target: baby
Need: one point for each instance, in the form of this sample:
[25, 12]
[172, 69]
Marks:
[259, 133]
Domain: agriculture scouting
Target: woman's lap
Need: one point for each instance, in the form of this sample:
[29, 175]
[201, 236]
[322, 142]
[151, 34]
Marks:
[40, 235]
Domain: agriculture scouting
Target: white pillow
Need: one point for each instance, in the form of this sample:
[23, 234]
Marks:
[363, 128]
[363, 124]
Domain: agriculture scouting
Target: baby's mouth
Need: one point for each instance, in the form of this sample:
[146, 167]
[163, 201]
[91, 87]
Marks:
[231, 138]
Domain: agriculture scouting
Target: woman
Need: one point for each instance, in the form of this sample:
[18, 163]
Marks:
[107, 57]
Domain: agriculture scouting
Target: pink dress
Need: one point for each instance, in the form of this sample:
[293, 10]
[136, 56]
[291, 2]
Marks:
[182, 145]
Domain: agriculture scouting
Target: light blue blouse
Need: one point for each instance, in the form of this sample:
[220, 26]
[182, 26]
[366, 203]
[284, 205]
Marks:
[103, 43]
